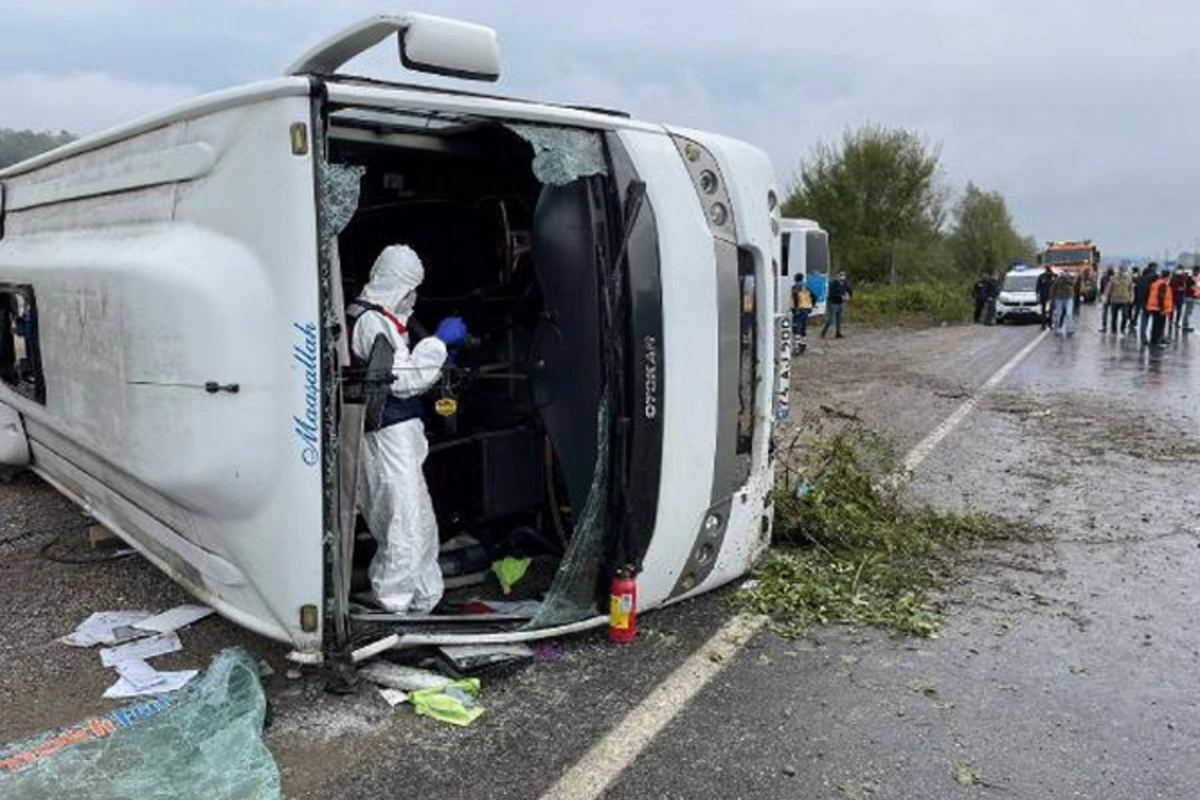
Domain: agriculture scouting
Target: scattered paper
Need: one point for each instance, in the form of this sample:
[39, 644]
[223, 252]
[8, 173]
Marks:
[171, 681]
[98, 628]
[127, 633]
[174, 619]
[393, 697]
[139, 674]
[141, 649]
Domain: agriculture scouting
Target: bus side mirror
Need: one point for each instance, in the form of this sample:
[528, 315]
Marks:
[450, 47]
[427, 43]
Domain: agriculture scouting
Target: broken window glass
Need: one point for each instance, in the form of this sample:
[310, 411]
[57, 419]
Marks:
[199, 743]
[560, 155]
[340, 186]
[572, 596]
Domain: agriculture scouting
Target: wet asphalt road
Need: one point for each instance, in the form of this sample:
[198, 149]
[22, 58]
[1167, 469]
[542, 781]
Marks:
[1065, 669]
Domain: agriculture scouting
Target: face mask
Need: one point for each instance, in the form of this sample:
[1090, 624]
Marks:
[406, 304]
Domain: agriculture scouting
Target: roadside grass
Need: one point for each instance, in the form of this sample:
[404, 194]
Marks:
[918, 303]
[849, 550]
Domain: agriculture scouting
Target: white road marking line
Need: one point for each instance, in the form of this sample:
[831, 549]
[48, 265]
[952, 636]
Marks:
[604, 762]
[589, 777]
[924, 447]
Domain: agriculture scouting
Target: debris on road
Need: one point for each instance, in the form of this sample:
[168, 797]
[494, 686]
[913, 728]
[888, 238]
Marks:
[547, 652]
[141, 649]
[393, 697]
[203, 742]
[966, 775]
[138, 674]
[396, 676]
[137, 636]
[509, 607]
[146, 681]
[509, 571]
[472, 658]
[99, 627]
[850, 790]
[456, 703]
[174, 619]
[853, 549]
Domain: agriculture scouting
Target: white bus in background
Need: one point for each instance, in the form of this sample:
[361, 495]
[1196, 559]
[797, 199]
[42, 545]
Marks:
[804, 249]
[173, 341]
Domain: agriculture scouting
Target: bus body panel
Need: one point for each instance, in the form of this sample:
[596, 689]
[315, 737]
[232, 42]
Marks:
[689, 405]
[751, 180]
[173, 276]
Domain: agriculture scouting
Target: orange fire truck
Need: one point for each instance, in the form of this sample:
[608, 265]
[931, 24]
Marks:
[1080, 256]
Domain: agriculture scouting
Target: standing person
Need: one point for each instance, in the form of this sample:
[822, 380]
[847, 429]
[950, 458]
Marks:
[1141, 291]
[993, 293]
[1105, 279]
[982, 291]
[1179, 291]
[1080, 289]
[405, 575]
[1189, 300]
[1136, 275]
[802, 305]
[839, 293]
[1160, 303]
[1117, 299]
[1063, 294]
[1044, 282]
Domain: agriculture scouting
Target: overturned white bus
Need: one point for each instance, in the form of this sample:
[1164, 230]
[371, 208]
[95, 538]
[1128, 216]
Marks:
[174, 358]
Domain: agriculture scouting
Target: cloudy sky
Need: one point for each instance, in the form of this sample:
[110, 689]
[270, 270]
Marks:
[1084, 113]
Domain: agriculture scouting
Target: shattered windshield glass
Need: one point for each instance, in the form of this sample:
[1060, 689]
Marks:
[572, 596]
[560, 155]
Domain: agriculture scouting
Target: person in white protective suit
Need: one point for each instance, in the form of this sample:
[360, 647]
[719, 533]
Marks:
[404, 573]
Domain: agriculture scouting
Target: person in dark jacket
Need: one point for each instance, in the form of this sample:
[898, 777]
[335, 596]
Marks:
[1141, 290]
[983, 294]
[1136, 274]
[1180, 284]
[838, 294]
[1104, 311]
[1044, 282]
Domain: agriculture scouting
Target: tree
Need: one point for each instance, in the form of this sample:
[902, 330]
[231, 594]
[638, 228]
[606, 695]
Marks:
[19, 145]
[983, 238]
[878, 191]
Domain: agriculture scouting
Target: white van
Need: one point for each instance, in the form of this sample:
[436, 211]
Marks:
[1018, 298]
[173, 350]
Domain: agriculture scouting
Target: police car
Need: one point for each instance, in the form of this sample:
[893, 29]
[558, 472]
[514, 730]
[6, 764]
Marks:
[1018, 295]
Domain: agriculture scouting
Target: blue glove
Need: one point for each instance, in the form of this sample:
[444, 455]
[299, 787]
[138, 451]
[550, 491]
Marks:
[452, 331]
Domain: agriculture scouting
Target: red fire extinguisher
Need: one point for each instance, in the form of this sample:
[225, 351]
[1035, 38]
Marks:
[622, 607]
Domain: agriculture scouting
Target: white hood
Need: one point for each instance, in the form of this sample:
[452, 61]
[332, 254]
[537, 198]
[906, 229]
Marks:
[396, 274]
